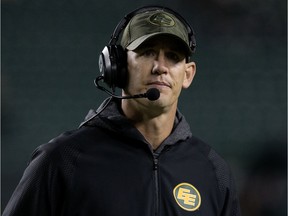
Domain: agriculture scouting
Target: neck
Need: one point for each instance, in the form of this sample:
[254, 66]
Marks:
[154, 123]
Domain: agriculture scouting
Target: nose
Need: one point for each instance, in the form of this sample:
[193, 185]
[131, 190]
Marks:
[160, 64]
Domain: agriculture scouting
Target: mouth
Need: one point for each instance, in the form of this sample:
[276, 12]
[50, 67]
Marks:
[159, 84]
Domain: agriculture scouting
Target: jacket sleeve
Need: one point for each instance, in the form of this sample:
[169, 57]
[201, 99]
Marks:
[231, 206]
[36, 189]
[226, 185]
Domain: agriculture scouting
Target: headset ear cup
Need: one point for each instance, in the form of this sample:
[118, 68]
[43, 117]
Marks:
[105, 65]
[113, 66]
[193, 43]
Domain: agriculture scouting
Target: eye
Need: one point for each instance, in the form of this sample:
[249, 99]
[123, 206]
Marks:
[176, 57]
[148, 52]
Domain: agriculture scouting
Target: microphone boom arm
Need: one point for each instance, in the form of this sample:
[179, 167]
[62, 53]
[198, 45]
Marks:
[152, 94]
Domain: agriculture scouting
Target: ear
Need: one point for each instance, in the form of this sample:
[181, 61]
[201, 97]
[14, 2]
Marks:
[190, 72]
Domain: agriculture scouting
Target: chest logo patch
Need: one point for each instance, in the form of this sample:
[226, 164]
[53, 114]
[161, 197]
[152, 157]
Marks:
[187, 196]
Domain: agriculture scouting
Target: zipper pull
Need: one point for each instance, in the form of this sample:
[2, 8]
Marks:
[155, 164]
[155, 161]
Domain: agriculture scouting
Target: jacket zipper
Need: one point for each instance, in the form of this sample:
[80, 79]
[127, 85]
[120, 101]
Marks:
[156, 179]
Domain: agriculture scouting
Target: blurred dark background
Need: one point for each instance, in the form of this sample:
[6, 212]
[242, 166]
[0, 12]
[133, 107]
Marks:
[237, 102]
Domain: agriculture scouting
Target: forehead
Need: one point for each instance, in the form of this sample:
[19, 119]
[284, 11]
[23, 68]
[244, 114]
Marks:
[165, 42]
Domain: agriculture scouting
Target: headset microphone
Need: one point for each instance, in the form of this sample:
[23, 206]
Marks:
[152, 94]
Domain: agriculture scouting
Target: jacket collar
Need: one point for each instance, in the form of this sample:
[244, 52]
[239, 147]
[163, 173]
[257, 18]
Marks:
[112, 118]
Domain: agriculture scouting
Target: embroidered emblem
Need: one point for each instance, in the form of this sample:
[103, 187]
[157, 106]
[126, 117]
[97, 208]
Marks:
[187, 196]
[161, 19]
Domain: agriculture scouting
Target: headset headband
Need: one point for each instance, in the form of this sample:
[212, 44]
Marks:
[126, 19]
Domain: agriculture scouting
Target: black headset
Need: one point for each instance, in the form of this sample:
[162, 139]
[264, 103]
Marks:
[113, 58]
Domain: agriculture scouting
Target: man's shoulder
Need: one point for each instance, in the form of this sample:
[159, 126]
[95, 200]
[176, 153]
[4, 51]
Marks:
[216, 160]
[67, 144]
[220, 166]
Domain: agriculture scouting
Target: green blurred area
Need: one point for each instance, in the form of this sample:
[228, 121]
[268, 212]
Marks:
[237, 102]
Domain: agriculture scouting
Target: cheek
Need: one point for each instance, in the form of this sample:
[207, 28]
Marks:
[178, 77]
[135, 73]
[137, 68]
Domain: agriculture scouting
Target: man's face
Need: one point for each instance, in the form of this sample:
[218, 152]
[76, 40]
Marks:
[159, 63]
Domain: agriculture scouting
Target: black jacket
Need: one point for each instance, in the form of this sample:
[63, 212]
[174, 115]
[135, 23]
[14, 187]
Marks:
[107, 168]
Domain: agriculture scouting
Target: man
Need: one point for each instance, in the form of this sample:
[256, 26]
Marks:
[133, 156]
